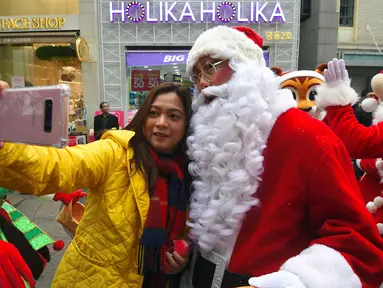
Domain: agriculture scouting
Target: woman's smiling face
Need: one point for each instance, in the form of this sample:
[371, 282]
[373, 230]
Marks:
[165, 124]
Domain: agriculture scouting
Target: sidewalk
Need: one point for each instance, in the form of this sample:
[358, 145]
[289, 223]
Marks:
[43, 211]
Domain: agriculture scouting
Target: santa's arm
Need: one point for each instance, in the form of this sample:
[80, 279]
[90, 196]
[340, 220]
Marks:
[360, 141]
[348, 249]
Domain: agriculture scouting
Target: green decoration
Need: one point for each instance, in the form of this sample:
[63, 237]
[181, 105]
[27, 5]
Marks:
[62, 55]
[4, 192]
[35, 236]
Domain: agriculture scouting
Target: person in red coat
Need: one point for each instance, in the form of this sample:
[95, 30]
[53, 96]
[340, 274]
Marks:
[275, 201]
[371, 187]
[365, 143]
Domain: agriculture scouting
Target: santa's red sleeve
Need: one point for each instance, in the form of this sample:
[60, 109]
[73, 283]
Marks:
[360, 141]
[347, 250]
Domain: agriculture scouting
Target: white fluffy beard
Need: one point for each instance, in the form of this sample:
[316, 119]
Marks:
[226, 146]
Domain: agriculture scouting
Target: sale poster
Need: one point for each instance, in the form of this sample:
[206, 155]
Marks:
[18, 82]
[120, 115]
[72, 141]
[145, 80]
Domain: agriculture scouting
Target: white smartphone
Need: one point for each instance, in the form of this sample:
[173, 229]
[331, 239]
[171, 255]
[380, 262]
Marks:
[35, 115]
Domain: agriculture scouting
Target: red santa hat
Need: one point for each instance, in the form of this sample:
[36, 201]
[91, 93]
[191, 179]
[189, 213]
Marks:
[238, 43]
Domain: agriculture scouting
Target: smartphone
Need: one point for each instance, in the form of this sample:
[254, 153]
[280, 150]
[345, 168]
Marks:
[35, 115]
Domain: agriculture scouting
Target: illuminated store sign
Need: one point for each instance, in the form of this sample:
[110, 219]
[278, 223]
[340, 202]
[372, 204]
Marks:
[25, 23]
[39, 23]
[226, 12]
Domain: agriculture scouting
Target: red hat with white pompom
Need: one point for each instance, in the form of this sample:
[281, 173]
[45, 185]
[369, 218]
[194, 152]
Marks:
[239, 43]
[370, 104]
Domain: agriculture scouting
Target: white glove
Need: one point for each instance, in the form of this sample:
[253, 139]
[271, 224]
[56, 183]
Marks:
[280, 279]
[336, 72]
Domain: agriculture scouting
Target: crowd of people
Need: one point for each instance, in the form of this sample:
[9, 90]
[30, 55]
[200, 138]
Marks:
[263, 193]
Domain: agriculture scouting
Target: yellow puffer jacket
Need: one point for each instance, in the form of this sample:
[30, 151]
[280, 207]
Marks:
[104, 250]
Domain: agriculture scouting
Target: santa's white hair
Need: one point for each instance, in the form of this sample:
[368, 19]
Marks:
[226, 148]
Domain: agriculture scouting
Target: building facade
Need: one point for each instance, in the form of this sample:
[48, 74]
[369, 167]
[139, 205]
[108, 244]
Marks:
[360, 39]
[318, 32]
[144, 43]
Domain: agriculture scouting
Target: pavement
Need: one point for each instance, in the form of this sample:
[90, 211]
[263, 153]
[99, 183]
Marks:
[43, 211]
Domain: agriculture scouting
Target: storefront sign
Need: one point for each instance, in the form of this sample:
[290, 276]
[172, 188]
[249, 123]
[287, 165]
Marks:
[145, 80]
[139, 59]
[225, 11]
[18, 82]
[37, 23]
[119, 114]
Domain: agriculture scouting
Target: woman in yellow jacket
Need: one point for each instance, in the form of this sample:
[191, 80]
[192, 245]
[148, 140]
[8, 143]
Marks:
[136, 204]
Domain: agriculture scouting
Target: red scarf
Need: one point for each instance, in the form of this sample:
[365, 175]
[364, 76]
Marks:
[165, 222]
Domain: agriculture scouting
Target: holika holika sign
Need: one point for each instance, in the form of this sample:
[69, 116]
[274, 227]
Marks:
[226, 12]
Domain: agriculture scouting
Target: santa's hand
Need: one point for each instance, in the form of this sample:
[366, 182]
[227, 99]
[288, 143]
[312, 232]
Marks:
[336, 73]
[13, 267]
[280, 279]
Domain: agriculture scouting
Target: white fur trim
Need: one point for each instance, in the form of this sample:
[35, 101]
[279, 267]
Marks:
[226, 150]
[358, 162]
[223, 42]
[378, 201]
[378, 114]
[379, 167]
[371, 207]
[369, 105]
[320, 266]
[300, 73]
[339, 95]
[380, 228]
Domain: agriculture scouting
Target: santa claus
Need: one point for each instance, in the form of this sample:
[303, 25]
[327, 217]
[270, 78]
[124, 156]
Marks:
[337, 97]
[267, 210]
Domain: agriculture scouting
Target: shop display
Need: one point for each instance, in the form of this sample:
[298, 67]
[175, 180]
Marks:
[146, 70]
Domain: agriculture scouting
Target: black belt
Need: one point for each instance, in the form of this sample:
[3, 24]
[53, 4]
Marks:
[204, 273]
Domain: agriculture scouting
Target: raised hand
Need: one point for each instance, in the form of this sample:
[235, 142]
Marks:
[336, 72]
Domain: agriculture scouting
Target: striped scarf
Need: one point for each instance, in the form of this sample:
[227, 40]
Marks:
[164, 224]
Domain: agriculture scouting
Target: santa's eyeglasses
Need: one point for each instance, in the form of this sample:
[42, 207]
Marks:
[208, 71]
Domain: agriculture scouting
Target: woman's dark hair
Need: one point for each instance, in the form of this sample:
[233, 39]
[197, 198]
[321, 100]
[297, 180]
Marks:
[143, 161]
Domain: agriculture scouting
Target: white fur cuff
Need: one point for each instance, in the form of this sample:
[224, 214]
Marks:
[320, 266]
[358, 162]
[340, 95]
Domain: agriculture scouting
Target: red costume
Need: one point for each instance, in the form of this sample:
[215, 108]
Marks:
[362, 142]
[275, 198]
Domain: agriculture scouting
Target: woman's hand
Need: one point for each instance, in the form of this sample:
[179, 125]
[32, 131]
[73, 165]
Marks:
[3, 86]
[176, 263]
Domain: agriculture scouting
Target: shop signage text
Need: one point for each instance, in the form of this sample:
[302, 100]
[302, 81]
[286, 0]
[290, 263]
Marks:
[226, 12]
[31, 23]
[140, 59]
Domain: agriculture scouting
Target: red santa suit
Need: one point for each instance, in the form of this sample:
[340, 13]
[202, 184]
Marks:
[361, 142]
[265, 206]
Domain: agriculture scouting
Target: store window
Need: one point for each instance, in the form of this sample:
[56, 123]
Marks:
[147, 69]
[346, 18]
[21, 66]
